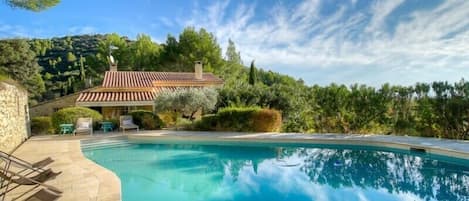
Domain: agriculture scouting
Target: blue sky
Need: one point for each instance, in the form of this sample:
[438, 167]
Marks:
[320, 41]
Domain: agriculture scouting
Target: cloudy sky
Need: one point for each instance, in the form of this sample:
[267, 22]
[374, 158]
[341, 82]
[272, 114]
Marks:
[320, 41]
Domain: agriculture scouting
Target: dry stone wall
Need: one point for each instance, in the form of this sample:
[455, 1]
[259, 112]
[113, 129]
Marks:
[14, 117]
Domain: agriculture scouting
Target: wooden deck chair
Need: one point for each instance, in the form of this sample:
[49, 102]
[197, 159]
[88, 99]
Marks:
[11, 160]
[37, 180]
[84, 125]
[44, 195]
[126, 122]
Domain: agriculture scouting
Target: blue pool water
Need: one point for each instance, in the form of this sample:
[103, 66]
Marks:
[218, 171]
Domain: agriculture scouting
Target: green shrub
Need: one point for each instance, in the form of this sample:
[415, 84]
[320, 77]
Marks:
[236, 119]
[41, 125]
[184, 124]
[206, 123]
[146, 119]
[267, 120]
[241, 119]
[70, 115]
[169, 118]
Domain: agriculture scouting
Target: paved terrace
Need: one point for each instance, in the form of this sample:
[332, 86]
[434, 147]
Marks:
[82, 179]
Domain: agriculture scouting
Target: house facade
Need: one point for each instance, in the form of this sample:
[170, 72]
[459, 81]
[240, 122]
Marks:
[124, 91]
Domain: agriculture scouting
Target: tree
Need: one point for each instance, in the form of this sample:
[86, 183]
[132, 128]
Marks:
[145, 53]
[71, 57]
[199, 46]
[187, 101]
[252, 74]
[122, 54]
[33, 5]
[232, 56]
[19, 62]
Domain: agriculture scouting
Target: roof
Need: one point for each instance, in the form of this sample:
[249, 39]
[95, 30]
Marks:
[137, 79]
[121, 96]
[116, 96]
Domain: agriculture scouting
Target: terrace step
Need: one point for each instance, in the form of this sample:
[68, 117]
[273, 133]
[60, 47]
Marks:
[105, 143]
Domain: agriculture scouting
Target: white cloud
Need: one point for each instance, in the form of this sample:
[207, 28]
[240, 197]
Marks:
[350, 43]
[76, 30]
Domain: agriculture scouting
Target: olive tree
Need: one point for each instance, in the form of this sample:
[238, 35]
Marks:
[187, 101]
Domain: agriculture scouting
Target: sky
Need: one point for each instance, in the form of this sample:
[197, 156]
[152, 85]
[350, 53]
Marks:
[320, 41]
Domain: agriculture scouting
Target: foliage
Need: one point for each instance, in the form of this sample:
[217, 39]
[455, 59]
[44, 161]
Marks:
[187, 101]
[206, 123]
[252, 74]
[32, 5]
[71, 114]
[236, 118]
[41, 125]
[19, 62]
[169, 118]
[267, 120]
[241, 119]
[437, 109]
[146, 119]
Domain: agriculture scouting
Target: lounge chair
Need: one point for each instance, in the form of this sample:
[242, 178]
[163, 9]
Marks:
[126, 122]
[9, 177]
[84, 125]
[11, 160]
[48, 193]
[44, 195]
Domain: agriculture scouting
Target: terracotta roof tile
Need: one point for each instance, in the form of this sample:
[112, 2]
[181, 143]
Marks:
[146, 79]
[116, 96]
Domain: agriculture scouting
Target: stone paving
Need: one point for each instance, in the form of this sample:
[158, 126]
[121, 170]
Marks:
[82, 179]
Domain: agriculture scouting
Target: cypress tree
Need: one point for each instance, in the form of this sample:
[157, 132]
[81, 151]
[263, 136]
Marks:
[252, 74]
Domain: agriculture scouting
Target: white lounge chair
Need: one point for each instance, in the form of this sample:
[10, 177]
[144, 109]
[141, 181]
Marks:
[84, 125]
[126, 122]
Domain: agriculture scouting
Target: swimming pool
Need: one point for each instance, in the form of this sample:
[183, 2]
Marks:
[216, 171]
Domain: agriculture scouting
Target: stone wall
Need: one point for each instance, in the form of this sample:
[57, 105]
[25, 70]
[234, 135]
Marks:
[49, 107]
[14, 117]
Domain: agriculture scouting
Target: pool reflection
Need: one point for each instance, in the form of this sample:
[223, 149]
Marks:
[213, 172]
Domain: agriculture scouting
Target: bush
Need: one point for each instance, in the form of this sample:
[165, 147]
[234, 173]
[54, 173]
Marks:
[267, 120]
[236, 119]
[184, 124]
[242, 119]
[41, 125]
[206, 123]
[169, 118]
[71, 114]
[146, 119]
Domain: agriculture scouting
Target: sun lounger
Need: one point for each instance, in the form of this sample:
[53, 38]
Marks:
[11, 160]
[126, 122]
[10, 177]
[84, 125]
[44, 195]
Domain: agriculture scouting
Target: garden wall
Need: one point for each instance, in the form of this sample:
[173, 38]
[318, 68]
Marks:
[14, 117]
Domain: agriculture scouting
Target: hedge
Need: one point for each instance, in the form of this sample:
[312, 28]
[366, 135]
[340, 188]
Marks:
[70, 115]
[146, 119]
[249, 119]
[41, 125]
[267, 120]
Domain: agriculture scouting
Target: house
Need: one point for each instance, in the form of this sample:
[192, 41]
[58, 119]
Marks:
[124, 91]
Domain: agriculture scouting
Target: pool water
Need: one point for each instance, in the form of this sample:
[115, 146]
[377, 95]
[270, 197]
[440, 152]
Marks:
[256, 172]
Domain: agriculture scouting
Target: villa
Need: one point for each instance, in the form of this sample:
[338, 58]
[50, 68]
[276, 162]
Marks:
[124, 91]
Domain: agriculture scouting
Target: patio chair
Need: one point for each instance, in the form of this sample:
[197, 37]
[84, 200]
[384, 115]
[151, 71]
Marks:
[126, 122]
[11, 160]
[84, 125]
[45, 194]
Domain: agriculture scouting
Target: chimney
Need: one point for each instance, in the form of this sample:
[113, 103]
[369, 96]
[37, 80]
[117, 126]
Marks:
[112, 63]
[198, 70]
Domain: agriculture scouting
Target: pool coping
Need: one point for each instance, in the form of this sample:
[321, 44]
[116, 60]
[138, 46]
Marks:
[446, 147]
